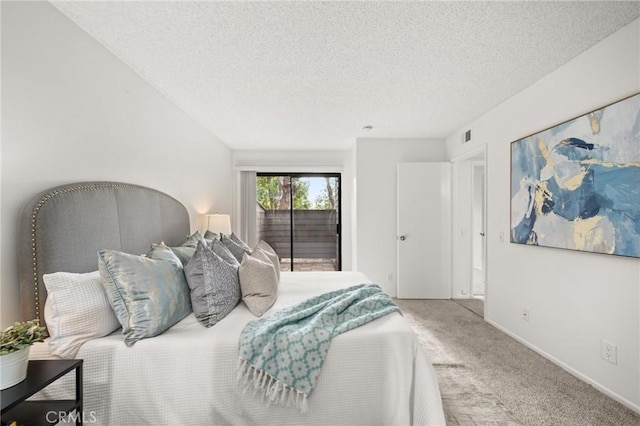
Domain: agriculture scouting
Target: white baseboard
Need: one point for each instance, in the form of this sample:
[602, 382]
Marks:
[630, 405]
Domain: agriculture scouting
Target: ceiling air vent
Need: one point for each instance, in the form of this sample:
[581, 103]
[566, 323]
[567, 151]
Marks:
[467, 136]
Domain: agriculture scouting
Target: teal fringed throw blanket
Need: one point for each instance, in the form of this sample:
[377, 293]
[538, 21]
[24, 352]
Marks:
[281, 355]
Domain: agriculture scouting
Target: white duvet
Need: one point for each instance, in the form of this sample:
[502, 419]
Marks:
[377, 374]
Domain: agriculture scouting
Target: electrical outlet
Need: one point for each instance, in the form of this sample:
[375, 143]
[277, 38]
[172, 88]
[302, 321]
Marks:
[525, 315]
[390, 277]
[609, 351]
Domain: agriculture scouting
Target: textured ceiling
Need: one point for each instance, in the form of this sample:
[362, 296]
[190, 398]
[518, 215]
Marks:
[310, 75]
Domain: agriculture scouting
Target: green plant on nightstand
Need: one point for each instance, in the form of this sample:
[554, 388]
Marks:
[15, 342]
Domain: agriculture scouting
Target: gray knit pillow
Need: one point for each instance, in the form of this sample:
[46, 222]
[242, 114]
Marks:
[214, 284]
[210, 236]
[236, 249]
[238, 241]
[221, 250]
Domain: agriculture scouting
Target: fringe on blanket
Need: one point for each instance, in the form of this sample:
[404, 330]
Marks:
[271, 389]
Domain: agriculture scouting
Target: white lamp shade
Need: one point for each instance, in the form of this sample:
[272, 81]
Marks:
[219, 223]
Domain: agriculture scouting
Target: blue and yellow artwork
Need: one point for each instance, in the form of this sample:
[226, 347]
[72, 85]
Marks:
[577, 185]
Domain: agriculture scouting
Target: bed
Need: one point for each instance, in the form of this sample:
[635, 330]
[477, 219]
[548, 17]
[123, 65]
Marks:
[376, 374]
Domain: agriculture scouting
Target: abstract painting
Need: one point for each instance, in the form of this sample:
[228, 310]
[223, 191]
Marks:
[577, 185]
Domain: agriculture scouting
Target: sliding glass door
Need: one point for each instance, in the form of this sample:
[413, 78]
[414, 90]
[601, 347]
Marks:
[298, 214]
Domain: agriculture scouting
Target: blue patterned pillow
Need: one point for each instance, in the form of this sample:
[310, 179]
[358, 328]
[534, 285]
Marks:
[148, 294]
[214, 284]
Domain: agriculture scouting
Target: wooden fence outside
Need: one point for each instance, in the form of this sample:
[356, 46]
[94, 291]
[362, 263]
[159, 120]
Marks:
[314, 232]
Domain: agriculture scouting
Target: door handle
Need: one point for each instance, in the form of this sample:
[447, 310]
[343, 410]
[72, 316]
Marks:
[482, 234]
[402, 238]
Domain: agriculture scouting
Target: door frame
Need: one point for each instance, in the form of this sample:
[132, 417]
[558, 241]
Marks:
[469, 158]
[475, 165]
[337, 175]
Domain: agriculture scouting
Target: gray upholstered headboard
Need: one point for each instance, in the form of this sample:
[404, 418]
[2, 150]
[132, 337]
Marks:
[62, 229]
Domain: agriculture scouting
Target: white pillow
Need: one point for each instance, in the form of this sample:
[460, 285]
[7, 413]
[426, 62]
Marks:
[271, 254]
[258, 283]
[76, 311]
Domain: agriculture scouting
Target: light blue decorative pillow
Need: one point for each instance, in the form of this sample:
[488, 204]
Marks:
[193, 239]
[214, 284]
[160, 251]
[184, 253]
[148, 294]
[186, 249]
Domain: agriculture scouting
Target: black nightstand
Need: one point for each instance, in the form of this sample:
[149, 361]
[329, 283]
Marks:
[41, 374]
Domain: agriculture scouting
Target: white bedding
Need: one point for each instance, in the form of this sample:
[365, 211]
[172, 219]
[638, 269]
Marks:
[377, 374]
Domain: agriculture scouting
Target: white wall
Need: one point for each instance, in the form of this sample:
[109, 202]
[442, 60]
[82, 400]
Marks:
[376, 178]
[72, 111]
[306, 162]
[575, 299]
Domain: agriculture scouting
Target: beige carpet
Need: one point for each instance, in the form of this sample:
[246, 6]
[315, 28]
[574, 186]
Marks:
[474, 305]
[488, 378]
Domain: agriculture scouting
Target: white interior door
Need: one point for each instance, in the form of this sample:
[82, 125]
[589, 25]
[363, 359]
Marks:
[424, 231]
